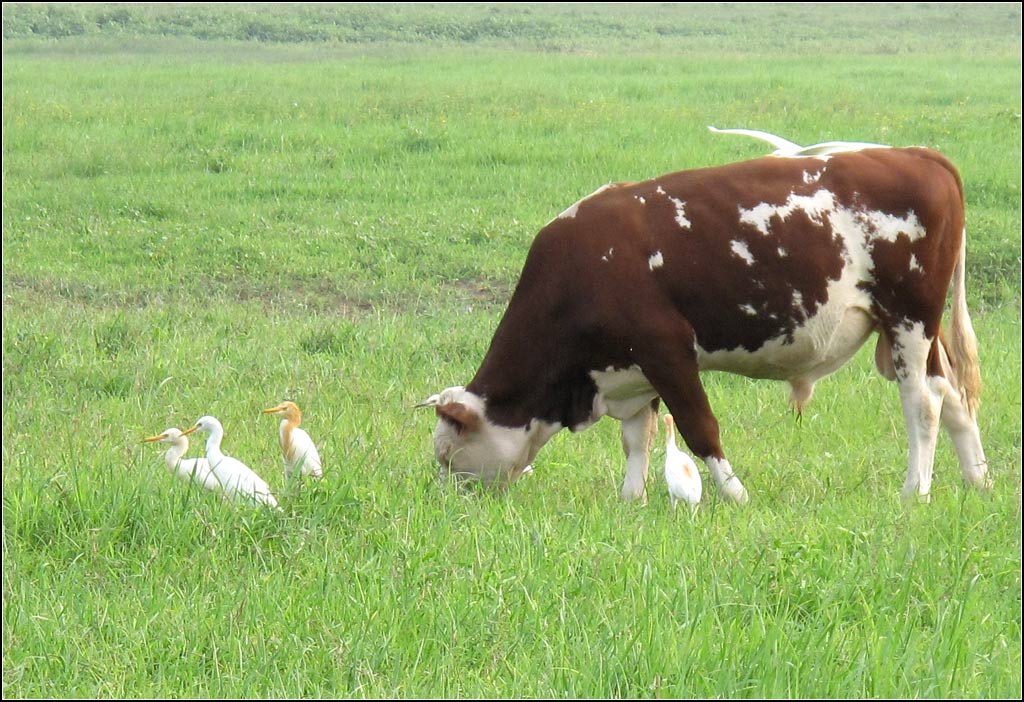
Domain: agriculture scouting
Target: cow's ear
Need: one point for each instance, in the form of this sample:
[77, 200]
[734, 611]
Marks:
[463, 418]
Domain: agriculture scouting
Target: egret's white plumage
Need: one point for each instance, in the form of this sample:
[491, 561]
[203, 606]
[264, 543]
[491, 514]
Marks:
[784, 147]
[297, 449]
[681, 472]
[188, 470]
[234, 478]
[827, 148]
[781, 145]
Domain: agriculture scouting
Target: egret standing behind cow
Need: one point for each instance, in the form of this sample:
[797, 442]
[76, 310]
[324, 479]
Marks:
[778, 268]
[681, 474]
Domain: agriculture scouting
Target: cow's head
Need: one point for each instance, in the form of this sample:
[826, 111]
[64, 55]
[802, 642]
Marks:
[471, 448]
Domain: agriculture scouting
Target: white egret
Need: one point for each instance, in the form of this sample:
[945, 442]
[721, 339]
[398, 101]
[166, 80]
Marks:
[297, 449]
[236, 479]
[784, 147]
[187, 470]
[681, 472]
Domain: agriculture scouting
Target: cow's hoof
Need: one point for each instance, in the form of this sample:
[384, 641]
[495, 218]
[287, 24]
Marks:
[632, 494]
[981, 482]
[915, 499]
[733, 490]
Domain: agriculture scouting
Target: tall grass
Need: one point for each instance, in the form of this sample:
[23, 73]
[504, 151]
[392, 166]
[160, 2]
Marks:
[880, 28]
[206, 227]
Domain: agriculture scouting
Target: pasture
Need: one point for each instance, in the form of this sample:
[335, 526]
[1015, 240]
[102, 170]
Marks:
[210, 222]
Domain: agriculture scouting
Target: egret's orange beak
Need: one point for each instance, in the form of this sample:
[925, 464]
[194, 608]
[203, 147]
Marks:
[190, 430]
[151, 439]
[272, 410]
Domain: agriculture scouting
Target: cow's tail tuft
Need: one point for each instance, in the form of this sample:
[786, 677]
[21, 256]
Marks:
[963, 344]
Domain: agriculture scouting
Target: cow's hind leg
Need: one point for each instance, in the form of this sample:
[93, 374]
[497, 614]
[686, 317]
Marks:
[921, 398]
[921, 403]
[638, 434]
[962, 428]
[670, 364]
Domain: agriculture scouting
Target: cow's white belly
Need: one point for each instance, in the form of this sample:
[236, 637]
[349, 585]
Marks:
[621, 393]
[821, 345]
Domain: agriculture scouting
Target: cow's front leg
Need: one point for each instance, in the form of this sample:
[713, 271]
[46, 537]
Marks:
[638, 434]
[670, 364]
[727, 482]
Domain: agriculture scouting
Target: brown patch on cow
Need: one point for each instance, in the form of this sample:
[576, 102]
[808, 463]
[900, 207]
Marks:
[461, 417]
[787, 281]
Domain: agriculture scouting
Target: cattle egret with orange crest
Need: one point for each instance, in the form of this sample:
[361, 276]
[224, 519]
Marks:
[297, 449]
[681, 472]
[235, 479]
[187, 470]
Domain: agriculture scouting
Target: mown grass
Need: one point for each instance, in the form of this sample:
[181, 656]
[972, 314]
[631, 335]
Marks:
[206, 227]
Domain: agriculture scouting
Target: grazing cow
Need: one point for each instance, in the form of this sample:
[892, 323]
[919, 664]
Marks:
[779, 267]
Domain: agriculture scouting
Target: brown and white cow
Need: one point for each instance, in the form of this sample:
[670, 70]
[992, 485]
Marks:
[779, 267]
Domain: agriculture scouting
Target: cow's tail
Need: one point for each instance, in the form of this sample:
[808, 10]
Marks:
[963, 344]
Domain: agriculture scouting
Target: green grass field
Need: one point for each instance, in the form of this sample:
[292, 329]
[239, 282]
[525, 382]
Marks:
[208, 209]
